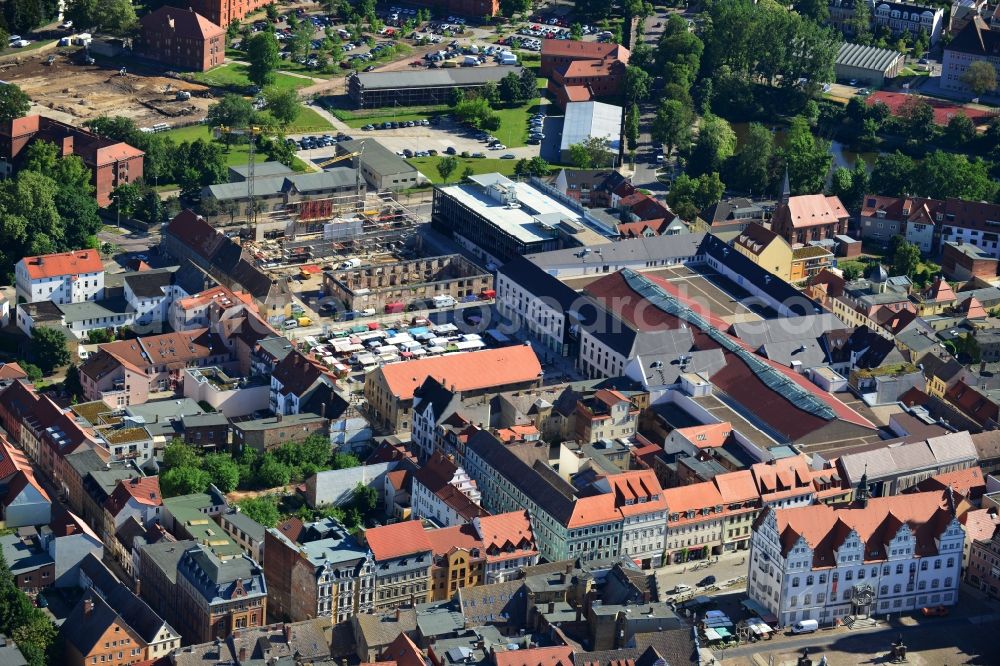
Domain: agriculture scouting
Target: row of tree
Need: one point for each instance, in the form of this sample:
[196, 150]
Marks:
[189, 472]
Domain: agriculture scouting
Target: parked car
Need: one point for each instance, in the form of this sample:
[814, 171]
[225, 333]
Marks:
[706, 581]
[934, 611]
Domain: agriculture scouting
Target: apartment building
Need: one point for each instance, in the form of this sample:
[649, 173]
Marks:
[445, 493]
[403, 558]
[852, 562]
[618, 514]
[317, 570]
[66, 277]
[604, 416]
[389, 390]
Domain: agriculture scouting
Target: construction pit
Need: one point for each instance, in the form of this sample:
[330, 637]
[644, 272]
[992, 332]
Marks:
[69, 90]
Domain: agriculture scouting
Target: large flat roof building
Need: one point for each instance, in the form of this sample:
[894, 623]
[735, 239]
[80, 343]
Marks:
[585, 120]
[868, 64]
[498, 219]
[375, 89]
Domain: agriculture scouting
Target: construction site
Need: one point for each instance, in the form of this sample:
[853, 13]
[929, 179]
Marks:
[358, 227]
[65, 87]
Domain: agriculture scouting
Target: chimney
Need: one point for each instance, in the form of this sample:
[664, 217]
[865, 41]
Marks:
[322, 411]
[397, 614]
[552, 607]
[88, 607]
[569, 567]
[288, 633]
[243, 654]
[138, 586]
[280, 415]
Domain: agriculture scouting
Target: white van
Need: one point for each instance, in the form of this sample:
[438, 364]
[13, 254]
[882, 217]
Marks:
[805, 627]
[443, 301]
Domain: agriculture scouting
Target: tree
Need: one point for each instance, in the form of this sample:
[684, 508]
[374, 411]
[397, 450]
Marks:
[807, 158]
[33, 371]
[529, 84]
[127, 198]
[945, 175]
[271, 473]
[184, 481]
[751, 166]
[637, 82]
[632, 127]
[672, 125]
[263, 56]
[689, 195]
[491, 93]
[716, 143]
[14, 103]
[365, 499]
[576, 31]
[817, 10]
[263, 510]
[859, 25]
[232, 111]
[283, 105]
[917, 120]
[980, 77]
[510, 7]
[511, 91]
[446, 167]
[179, 454]
[223, 470]
[905, 256]
[852, 269]
[591, 154]
[72, 384]
[468, 172]
[49, 348]
[892, 174]
[272, 12]
[535, 166]
[960, 130]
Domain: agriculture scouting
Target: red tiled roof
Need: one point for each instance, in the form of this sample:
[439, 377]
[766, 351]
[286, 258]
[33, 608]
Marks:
[403, 652]
[969, 483]
[940, 290]
[144, 490]
[785, 476]
[465, 371]
[391, 541]
[513, 529]
[631, 486]
[291, 529]
[185, 23]
[709, 436]
[63, 263]
[825, 528]
[399, 478]
[12, 371]
[972, 403]
[565, 48]
[980, 524]
[973, 309]
[812, 209]
[559, 655]
[638, 229]
[446, 539]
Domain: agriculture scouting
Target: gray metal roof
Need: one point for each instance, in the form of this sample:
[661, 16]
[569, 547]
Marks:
[867, 57]
[901, 459]
[627, 252]
[376, 157]
[84, 310]
[434, 78]
[260, 170]
[332, 179]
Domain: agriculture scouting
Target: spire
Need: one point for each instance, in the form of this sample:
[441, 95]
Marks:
[786, 189]
[862, 495]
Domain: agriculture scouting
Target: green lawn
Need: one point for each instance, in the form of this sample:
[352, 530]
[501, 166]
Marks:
[234, 77]
[307, 120]
[388, 116]
[238, 154]
[428, 167]
[362, 117]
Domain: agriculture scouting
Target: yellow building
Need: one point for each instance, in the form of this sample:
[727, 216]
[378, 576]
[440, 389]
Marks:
[808, 261]
[766, 249]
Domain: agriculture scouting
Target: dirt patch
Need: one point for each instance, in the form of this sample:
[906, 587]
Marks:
[76, 92]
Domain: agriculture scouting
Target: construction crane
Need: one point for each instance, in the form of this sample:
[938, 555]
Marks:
[333, 160]
[253, 132]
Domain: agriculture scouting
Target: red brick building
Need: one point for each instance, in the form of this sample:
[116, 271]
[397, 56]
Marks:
[962, 261]
[182, 38]
[224, 12]
[466, 7]
[582, 71]
[810, 217]
[112, 163]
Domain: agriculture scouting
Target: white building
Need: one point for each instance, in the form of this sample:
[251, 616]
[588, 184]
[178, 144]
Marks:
[853, 562]
[904, 17]
[445, 493]
[67, 277]
[586, 120]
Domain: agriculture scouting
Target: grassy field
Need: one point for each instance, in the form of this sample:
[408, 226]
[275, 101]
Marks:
[361, 117]
[428, 167]
[238, 153]
[234, 77]
[307, 120]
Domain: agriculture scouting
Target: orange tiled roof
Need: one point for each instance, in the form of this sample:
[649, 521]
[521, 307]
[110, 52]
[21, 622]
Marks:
[505, 530]
[144, 490]
[812, 209]
[12, 371]
[559, 655]
[980, 524]
[825, 528]
[63, 263]
[465, 371]
[391, 541]
[446, 539]
[968, 483]
[589, 50]
[940, 290]
[708, 436]
[403, 652]
[632, 492]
